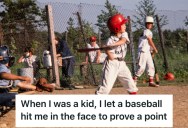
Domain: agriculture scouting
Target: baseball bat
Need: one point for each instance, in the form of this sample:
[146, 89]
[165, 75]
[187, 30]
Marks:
[87, 49]
[92, 49]
[156, 72]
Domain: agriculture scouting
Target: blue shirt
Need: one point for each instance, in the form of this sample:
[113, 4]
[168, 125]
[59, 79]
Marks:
[63, 49]
[68, 64]
[4, 69]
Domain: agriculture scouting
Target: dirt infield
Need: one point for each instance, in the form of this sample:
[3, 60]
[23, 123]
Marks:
[180, 101]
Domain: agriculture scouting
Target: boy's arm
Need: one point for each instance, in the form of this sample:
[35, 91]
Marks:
[9, 76]
[109, 54]
[58, 55]
[20, 59]
[151, 43]
[120, 42]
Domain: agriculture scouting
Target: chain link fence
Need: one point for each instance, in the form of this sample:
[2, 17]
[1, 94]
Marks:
[89, 13]
[65, 18]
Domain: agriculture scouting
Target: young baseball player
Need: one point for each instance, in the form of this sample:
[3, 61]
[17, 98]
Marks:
[115, 66]
[95, 56]
[146, 45]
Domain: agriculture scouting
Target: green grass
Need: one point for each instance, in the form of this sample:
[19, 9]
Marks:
[178, 65]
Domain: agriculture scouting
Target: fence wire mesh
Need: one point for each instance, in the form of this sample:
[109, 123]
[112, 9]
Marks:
[66, 20]
[89, 13]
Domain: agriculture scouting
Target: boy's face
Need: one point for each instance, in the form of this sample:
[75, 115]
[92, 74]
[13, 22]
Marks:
[149, 25]
[93, 42]
[123, 28]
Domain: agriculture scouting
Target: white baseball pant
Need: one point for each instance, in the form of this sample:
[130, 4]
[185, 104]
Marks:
[113, 69]
[145, 61]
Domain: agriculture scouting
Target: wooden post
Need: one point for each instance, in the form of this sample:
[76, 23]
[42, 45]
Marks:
[55, 69]
[132, 47]
[162, 43]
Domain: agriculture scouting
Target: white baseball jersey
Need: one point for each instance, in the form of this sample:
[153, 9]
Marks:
[30, 62]
[145, 60]
[114, 69]
[143, 44]
[93, 54]
[119, 51]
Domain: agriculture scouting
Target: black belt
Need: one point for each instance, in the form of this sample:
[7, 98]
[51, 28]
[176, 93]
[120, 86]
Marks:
[119, 59]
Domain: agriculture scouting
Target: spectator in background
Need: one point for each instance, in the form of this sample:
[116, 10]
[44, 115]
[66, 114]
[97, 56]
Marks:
[95, 56]
[68, 61]
[30, 60]
[6, 78]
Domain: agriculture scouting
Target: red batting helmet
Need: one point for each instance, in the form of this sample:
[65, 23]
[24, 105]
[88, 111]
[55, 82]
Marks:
[114, 23]
[169, 76]
[93, 38]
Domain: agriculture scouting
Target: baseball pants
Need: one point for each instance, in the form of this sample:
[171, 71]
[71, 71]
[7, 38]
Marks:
[112, 70]
[145, 61]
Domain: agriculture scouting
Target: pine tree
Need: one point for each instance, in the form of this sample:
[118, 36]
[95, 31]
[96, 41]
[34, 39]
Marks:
[75, 37]
[20, 20]
[147, 8]
[103, 18]
[186, 21]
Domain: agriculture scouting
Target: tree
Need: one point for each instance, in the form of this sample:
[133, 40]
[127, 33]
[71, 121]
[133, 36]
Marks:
[103, 18]
[147, 8]
[75, 37]
[20, 20]
[186, 21]
[71, 33]
[175, 39]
